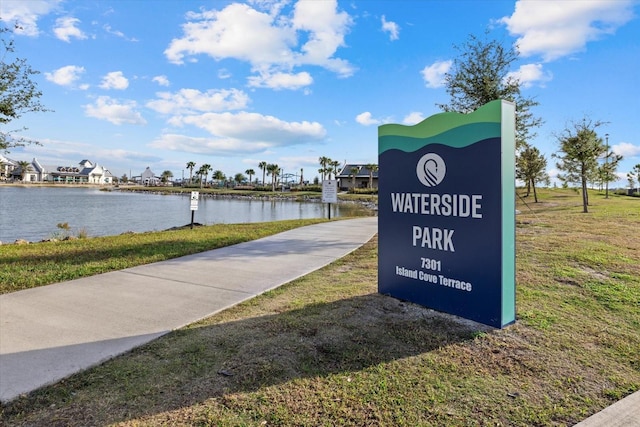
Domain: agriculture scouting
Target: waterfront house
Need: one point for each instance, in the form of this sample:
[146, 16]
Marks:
[358, 174]
[147, 178]
[86, 172]
[7, 166]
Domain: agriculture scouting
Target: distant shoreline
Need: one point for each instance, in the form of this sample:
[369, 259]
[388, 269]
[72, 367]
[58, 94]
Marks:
[51, 184]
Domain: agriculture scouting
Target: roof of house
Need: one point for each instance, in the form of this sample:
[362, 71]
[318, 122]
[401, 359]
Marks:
[363, 171]
[6, 160]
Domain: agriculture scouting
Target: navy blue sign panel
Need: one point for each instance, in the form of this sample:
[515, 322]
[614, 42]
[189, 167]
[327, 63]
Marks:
[446, 229]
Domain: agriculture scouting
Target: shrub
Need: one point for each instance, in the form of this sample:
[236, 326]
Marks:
[363, 191]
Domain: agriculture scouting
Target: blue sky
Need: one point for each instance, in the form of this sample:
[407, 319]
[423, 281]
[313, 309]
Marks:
[160, 83]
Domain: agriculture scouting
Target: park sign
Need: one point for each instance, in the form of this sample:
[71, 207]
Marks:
[446, 206]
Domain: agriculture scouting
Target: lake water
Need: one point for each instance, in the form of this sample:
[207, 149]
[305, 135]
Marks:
[32, 213]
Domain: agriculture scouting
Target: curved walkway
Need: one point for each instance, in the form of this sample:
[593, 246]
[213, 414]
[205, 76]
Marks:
[51, 332]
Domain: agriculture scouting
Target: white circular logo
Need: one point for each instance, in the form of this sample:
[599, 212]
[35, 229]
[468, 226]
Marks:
[431, 169]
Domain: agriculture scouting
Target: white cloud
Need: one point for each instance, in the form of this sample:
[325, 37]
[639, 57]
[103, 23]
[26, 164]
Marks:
[237, 31]
[118, 113]
[223, 73]
[254, 128]
[189, 101]
[434, 74]
[279, 81]
[56, 151]
[391, 27]
[413, 118]
[366, 119]
[161, 80]
[268, 41]
[326, 28]
[529, 74]
[203, 145]
[66, 28]
[117, 33]
[114, 80]
[66, 76]
[559, 28]
[26, 13]
[626, 149]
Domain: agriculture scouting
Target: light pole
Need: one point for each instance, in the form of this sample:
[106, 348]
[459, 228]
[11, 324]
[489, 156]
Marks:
[606, 169]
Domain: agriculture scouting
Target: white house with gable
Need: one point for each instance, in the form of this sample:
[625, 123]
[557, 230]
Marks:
[86, 172]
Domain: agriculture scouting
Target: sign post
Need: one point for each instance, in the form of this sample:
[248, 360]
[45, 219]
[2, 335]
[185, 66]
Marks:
[446, 214]
[329, 192]
[194, 205]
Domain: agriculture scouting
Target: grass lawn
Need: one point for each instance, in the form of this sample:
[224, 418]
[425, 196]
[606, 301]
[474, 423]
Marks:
[38, 264]
[326, 349]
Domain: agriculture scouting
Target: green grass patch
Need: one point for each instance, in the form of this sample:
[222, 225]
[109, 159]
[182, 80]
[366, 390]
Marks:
[326, 349]
[38, 264]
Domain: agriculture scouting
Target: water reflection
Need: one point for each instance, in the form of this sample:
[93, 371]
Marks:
[32, 213]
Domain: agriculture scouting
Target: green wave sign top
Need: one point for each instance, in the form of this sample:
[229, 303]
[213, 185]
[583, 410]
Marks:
[452, 129]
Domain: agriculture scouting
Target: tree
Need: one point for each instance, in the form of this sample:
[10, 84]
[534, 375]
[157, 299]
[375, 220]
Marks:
[19, 94]
[124, 178]
[218, 175]
[239, 177]
[372, 168]
[273, 170]
[606, 172]
[324, 166]
[636, 171]
[166, 176]
[631, 180]
[190, 166]
[531, 168]
[250, 172]
[580, 148]
[204, 171]
[481, 74]
[263, 166]
[354, 172]
[334, 166]
[25, 167]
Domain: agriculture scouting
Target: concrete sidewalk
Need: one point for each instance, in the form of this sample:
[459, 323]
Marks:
[625, 413]
[51, 332]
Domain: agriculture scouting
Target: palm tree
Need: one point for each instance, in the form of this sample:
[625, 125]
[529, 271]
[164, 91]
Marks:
[250, 172]
[273, 170]
[263, 165]
[190, 166]
[24, 168]
[354, 172]
[324, 163]
[166, 176]
[334, 165]
[239, 177]
[204, 170]
[372, 167]
[218, 175]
